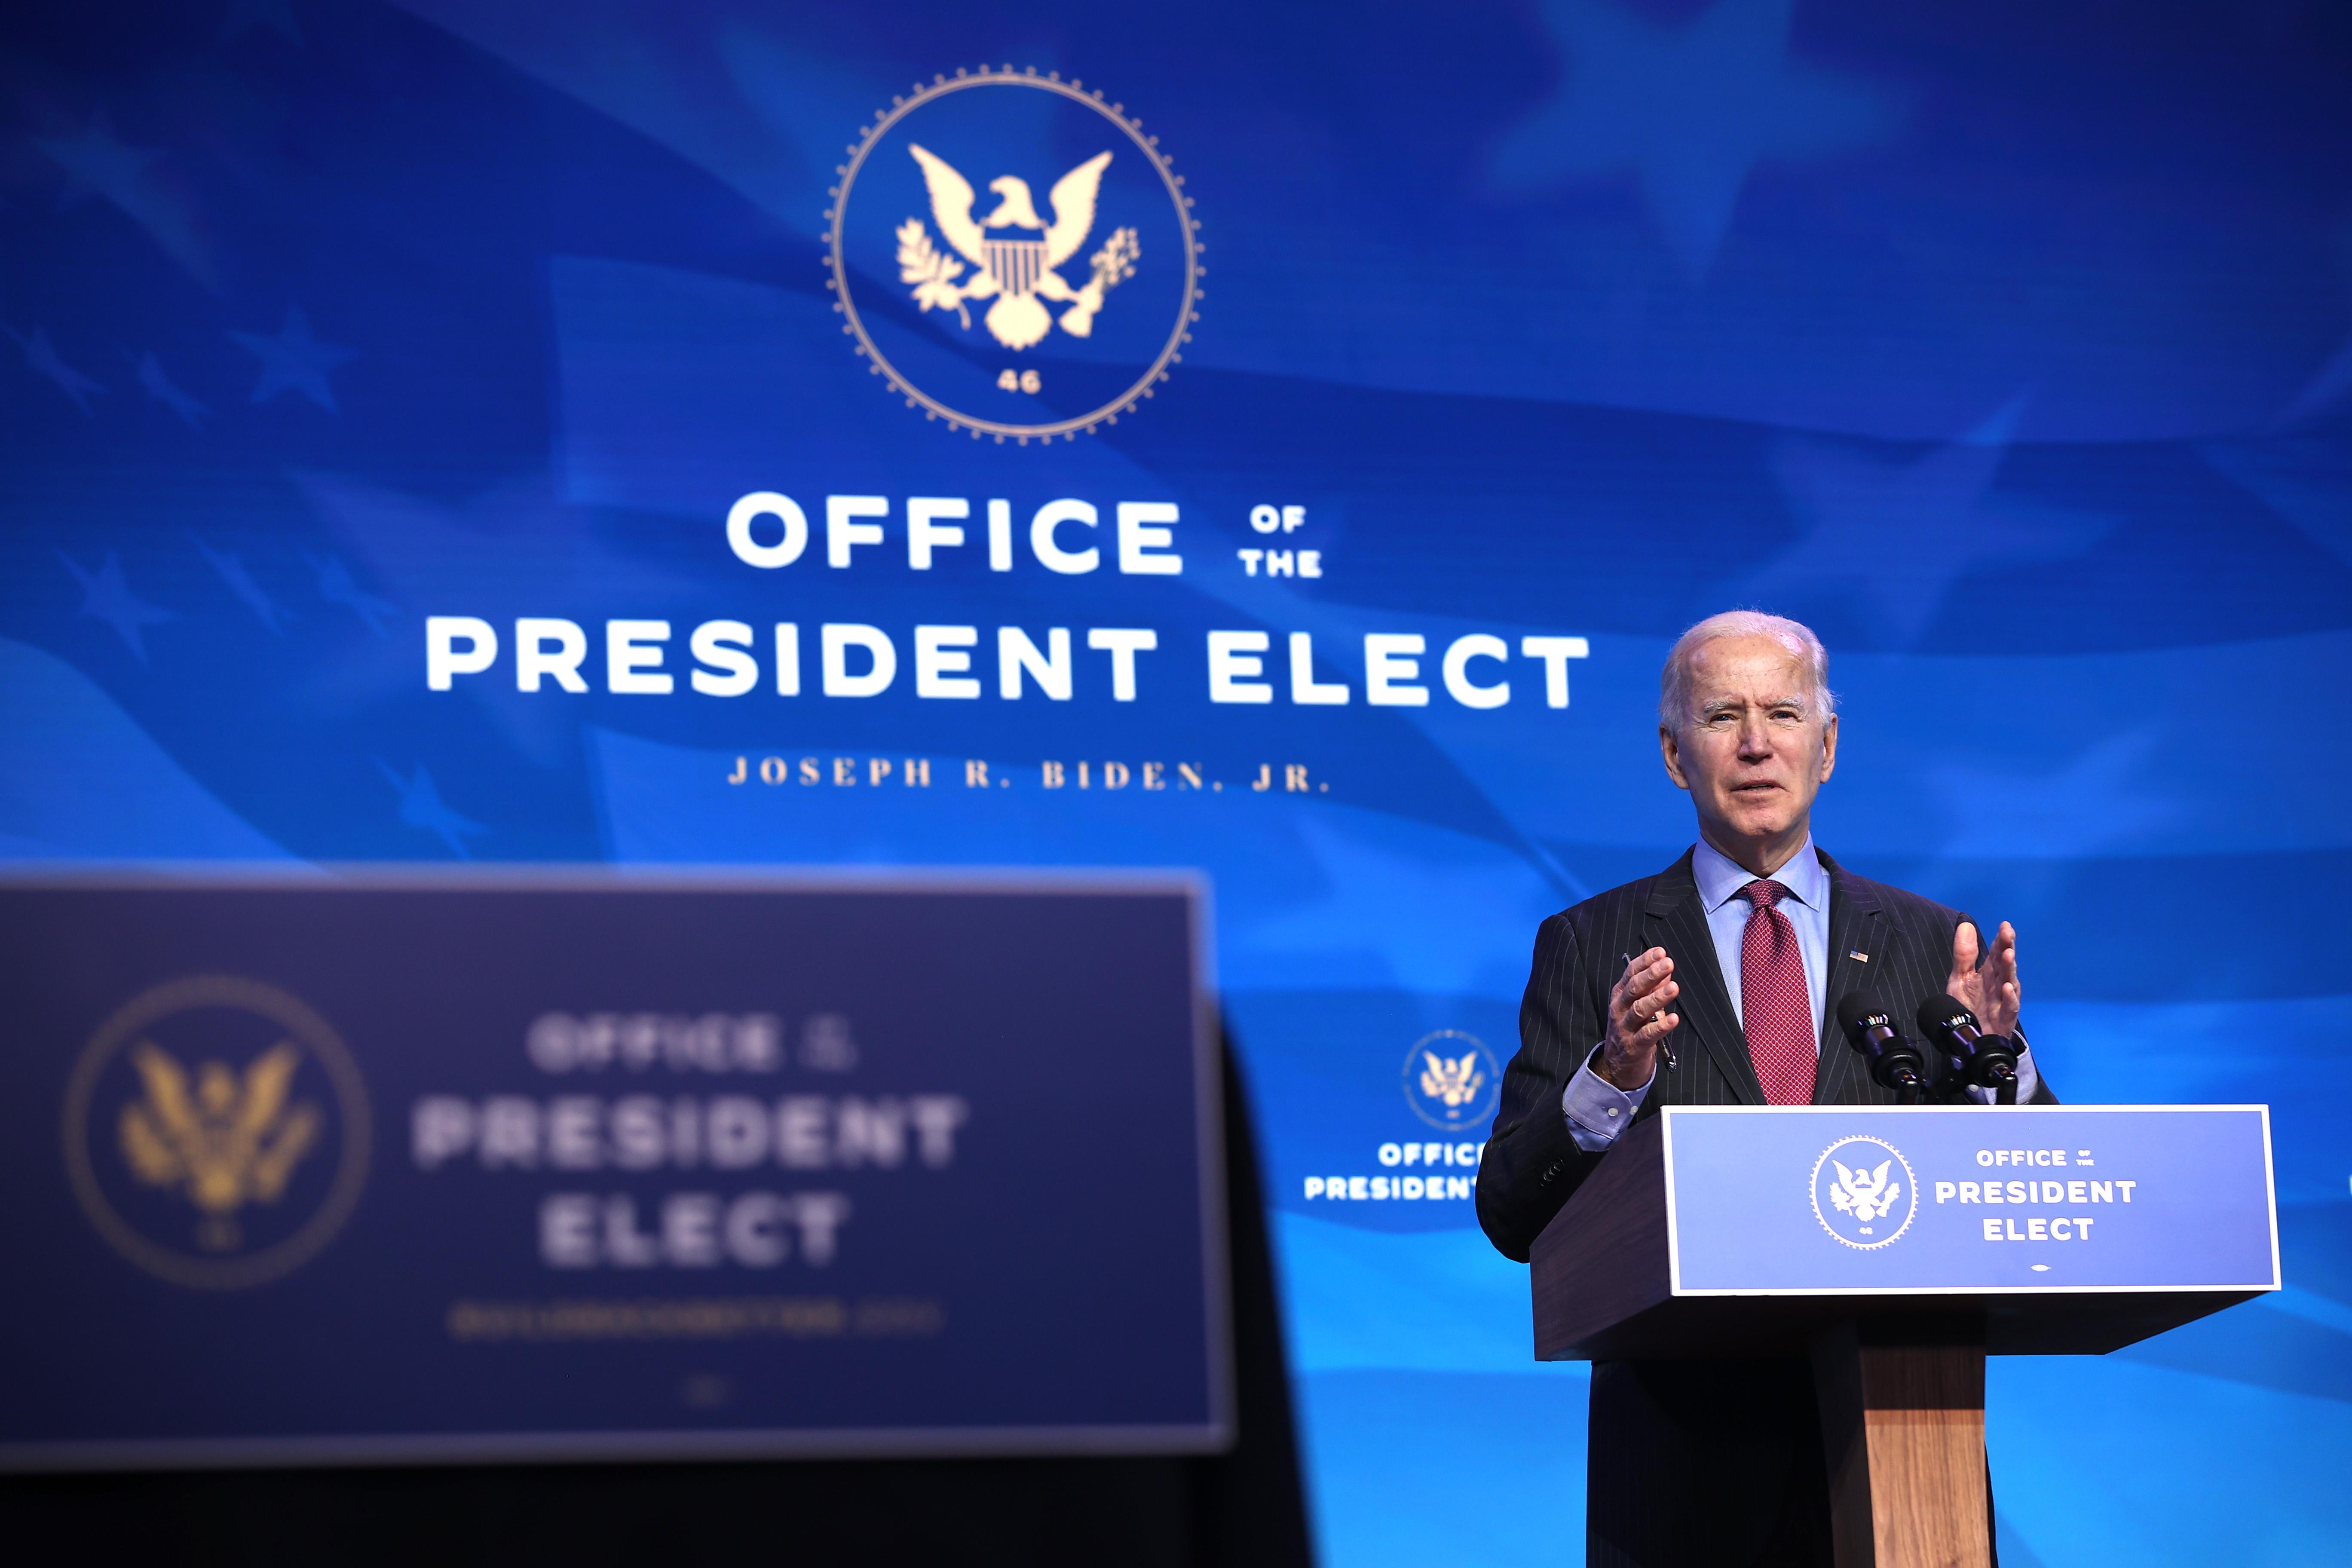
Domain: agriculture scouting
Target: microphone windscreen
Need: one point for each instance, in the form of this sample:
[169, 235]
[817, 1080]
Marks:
[1939, 1014]
[1855, 1009]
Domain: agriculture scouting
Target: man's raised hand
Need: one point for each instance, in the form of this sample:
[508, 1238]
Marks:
[1990, 991]
[1639, 1020]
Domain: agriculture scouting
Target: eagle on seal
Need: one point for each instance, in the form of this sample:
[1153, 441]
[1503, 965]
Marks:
[1015, 252]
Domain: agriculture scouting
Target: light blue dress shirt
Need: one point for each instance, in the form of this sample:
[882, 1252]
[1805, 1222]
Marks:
[1598, 1110]
[1806, 906]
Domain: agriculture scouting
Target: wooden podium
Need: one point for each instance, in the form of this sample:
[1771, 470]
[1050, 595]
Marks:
[1898, 1339]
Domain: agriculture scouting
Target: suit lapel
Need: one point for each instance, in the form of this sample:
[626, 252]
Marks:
[1860, 941]
[1678, 924]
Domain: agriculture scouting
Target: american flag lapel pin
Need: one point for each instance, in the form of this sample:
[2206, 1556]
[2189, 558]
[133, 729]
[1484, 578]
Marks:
[1859, 956]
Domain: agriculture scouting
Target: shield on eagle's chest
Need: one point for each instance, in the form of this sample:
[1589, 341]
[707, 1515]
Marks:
[1016, 264]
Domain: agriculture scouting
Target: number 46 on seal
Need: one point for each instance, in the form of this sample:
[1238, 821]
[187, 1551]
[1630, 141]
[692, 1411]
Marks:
[1008, 380]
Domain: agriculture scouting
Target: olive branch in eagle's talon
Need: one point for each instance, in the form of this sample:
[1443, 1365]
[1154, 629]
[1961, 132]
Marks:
[1114, 263]
[932, 271]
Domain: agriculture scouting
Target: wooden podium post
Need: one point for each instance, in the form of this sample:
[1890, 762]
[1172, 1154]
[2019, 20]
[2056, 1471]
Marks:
[1689, 1242]
[1903, 1431]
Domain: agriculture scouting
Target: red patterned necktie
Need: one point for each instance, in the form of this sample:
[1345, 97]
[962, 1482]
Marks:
[1773, 1004]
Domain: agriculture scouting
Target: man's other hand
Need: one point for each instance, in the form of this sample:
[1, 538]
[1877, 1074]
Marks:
[1639, 1019]
[1989, 990]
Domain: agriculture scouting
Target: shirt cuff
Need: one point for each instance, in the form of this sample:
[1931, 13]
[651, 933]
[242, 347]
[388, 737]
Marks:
[1597, 1109]
[2028, 1080]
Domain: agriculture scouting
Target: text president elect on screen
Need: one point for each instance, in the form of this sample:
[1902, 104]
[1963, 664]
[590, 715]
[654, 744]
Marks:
[1740, 954]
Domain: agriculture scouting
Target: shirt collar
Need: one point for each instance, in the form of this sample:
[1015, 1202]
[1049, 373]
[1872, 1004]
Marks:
[1720, 877]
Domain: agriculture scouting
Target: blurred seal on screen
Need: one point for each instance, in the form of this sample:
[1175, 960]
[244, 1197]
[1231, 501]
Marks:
[1451, 1079]
[216, 1131]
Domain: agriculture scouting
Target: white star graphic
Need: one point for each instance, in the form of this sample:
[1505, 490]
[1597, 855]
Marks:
[338, 586]
[106, 596]
[41, 357]
[161, 387]
[130, 178]
[102, 163]
[240, 581]
[1688, 111]
[294, 361]
[1907, 533]
[421, 806]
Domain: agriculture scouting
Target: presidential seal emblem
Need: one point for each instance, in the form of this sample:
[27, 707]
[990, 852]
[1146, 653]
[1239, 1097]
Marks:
[1863, 1193]
[992, 315]
[216, 1131]
[1451, 1079]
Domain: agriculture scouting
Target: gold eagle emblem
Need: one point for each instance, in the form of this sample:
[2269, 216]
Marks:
[224, 1141]
[1453, 1080]
[1014, 251]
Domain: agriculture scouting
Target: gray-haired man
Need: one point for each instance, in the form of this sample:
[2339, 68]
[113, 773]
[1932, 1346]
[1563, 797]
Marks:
[1739, 953]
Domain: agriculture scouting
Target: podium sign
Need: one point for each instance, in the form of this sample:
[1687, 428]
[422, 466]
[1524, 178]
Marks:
[1897, 1246]
[581, 1165]
[1969, 1200]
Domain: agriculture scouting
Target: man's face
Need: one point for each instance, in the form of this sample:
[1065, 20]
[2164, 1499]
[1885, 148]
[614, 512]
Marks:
[1754, 748]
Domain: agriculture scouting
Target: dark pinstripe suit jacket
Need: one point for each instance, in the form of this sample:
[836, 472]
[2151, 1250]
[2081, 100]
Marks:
[1532, 1165]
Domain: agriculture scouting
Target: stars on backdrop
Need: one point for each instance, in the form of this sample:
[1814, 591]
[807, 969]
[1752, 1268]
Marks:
[1907, 533]
[421, 806]
[294, 360]
[1688, 112]
[109, 598]
[240, 581]
[502, 551]
[106, 596]
[338, 586]
[42, 359]
[134, 180]
[161, 387]
[98, 163]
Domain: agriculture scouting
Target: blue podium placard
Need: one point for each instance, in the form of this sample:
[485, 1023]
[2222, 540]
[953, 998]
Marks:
[1969, 1200]
[582, 1165]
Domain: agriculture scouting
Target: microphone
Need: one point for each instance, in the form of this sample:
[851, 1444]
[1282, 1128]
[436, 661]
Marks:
[1988, 1061]
[1894, 1062]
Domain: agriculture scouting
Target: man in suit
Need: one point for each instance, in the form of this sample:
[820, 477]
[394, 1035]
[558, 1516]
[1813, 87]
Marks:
[1717, 982]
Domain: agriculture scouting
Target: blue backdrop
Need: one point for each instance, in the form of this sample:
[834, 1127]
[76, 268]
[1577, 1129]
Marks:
[2007, 345]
